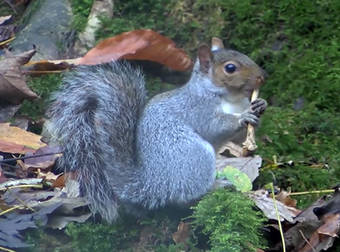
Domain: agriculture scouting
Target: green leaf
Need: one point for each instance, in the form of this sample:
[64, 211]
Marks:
[239, 179]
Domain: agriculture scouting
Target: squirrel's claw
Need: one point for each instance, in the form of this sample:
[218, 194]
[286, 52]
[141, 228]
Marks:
[258, 106]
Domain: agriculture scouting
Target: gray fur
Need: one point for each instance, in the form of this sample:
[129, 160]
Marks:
[126, 151]
[93, 118]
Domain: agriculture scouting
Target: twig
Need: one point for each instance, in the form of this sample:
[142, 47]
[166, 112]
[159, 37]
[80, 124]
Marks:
[9, 210]
[6, 249]
[311, 192]
[27, 182]
[43, 71]
[21, 186]
[27, 157]
[24, 204]
[249, 144]
[6, 41]
[278, 218]
[304, 237]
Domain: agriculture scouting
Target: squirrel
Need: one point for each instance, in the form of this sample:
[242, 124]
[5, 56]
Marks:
[127, 150]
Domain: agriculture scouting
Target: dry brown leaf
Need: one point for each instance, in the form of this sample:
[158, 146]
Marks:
[20, 140]
[139, 45]
[284, 197]
[133, 45]
[331, 226]
[183, 233]
[60, 181]
[13, 148]
[13, 87]
[48, 66]
[323, 237]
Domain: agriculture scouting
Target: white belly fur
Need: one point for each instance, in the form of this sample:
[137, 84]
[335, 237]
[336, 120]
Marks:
[235, 108]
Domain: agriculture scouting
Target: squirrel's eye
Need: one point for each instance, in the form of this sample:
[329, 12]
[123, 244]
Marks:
[230, 68]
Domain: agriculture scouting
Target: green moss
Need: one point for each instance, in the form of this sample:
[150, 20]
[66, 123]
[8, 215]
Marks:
[43, 86]
[101, 237]
[81, 10]
[230, 221]
[47, 240]
[310, 138]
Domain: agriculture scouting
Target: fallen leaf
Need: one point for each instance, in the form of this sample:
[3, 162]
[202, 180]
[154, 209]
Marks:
[49, 66]
[237, 178]
[46, 157]
[296, 236]
[284, 197]
[12, 224]
[266, 204]
[331, 226]
[13, 148]
[323, 237]
[60, 181]
[13, 87]
[139, 45]
[4, 19]
[19, 140]
[247, 165]
[183, 233]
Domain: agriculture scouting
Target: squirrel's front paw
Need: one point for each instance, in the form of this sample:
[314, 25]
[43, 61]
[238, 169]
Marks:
[258, 106]
[249, 117]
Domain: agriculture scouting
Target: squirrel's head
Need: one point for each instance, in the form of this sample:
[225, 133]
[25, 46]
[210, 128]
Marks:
[229, 68]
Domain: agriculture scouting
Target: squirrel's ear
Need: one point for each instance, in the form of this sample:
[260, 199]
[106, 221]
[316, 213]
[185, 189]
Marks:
[205, 58]
[216, 44]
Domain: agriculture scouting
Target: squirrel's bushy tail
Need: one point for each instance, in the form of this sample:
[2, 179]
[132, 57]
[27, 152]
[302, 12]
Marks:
[93, 118]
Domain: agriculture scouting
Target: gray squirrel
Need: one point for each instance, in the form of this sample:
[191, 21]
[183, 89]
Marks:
[127, 150]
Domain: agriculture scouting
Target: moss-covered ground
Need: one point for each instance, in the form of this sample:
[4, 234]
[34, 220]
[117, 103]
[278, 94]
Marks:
[296, 42]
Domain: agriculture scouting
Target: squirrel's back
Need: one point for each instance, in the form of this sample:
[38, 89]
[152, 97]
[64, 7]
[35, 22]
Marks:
[93, 118]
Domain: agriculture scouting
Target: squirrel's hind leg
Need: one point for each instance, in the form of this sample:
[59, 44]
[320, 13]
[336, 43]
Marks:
[177, 166]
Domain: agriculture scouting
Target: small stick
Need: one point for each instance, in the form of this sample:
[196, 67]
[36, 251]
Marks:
[249, 145]
[11, 183]
[9, 210]
[6, 249]
[28, 157]
[311, 192]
